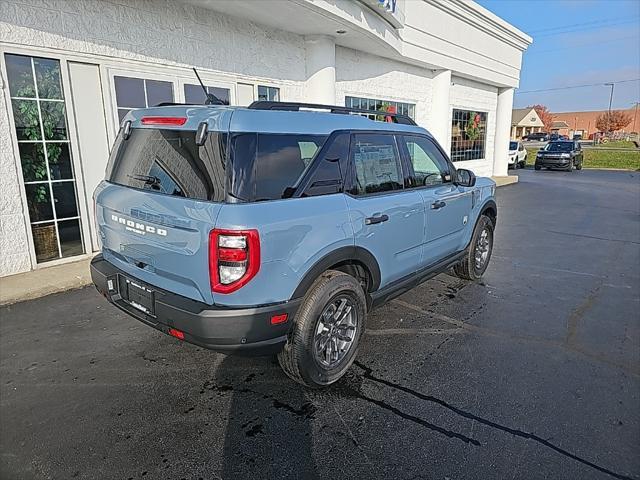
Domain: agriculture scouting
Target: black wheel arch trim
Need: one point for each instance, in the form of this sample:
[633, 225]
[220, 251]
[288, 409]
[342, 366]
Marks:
[340, 255]
[489, 204]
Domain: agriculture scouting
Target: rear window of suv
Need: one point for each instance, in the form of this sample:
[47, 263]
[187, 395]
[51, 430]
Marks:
[269, 166]
[169, 162]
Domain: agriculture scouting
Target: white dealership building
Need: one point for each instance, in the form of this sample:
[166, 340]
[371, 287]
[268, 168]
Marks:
[70, 69]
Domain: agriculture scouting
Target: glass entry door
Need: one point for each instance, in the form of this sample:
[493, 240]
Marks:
[39, 113]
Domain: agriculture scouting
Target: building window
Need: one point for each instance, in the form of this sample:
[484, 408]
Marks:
[271, 94]
[468, 135]
[194, 95]
[408, 109]
[140, 93]
[39, 114]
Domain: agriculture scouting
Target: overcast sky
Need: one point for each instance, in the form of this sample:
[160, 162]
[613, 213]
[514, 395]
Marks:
[576, 42]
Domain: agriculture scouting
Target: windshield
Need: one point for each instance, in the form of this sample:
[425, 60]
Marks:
[559, 147]
[170, 162]
[513, 145]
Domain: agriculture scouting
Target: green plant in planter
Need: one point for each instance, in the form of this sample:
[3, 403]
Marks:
[33, 162]
[472, 130]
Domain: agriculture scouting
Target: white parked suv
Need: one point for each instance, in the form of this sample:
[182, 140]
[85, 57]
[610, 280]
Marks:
[517, 155]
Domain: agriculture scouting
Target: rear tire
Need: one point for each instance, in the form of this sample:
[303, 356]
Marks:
[579, 166]
[537, 167]
[334, 306]
[476, 259]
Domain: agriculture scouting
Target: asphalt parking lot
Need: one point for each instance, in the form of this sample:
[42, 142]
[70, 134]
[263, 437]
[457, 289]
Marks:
[532, 373]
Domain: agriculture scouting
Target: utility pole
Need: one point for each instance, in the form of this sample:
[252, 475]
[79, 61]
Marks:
[635, 116]
[610, 101]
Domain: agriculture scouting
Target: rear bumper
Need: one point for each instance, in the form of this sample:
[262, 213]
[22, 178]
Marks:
[245, 330]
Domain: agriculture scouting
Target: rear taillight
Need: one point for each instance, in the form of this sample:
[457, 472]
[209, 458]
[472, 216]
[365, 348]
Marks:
[234, 258]
[175, 121]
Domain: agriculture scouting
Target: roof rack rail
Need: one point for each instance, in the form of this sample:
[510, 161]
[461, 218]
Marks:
[295, 107]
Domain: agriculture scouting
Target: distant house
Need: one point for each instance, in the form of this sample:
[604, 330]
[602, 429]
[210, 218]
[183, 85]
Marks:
[560, 127]
[524, 121]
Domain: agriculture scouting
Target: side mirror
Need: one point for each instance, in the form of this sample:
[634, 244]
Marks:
[465, 178]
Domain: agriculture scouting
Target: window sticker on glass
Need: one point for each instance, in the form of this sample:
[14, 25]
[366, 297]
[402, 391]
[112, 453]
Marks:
[376, 168]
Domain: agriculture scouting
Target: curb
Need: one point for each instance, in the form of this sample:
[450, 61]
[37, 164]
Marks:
[502, 181]
[44, 281]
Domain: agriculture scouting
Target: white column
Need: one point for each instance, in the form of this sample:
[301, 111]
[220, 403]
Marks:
[503, 130]
[321, 69]
[440, 107]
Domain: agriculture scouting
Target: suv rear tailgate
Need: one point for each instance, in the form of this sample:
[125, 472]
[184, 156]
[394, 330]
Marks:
[163, 241]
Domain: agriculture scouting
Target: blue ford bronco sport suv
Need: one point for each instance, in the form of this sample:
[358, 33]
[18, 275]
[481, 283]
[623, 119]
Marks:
[276, 228]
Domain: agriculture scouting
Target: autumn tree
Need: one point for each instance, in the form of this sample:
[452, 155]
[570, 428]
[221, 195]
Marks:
[545, 115]
[611, 122]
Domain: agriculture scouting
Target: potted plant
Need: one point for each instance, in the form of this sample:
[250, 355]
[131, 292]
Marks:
[34, 167]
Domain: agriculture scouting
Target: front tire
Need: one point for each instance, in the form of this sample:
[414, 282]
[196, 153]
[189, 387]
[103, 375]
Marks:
[476, 260]
[326, 334]
[537, 167]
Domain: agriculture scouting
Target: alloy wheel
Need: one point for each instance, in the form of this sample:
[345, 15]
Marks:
[336, 331]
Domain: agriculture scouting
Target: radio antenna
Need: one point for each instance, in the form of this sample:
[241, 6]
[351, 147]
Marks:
[211, 98]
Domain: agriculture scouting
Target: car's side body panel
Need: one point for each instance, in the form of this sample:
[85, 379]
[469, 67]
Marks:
[397, 242]
[294, 235]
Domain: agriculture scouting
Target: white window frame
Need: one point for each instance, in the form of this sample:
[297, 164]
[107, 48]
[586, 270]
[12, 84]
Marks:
[209, 81]
[142, 75]
[74, 151]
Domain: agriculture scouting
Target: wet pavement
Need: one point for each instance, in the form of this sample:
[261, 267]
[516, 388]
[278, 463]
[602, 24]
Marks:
[532, 373]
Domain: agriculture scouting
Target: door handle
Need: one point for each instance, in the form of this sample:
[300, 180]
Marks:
[374, 220]
[437, 205]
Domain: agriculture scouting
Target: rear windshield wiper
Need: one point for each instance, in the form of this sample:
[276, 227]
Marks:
[147, 179]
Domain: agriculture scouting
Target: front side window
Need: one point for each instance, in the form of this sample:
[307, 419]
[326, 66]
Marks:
[39, 114]
[194, 95]
[390, 106]
[376, 162]
[429, 165]
[140, 93]
[271, 94]
[468, 135]
[169, 162]
[269, 166]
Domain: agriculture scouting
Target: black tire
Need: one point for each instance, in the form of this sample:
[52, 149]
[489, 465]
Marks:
[579, 166]
[467, 267]
[298, 358]
[570, 167]
[537, 167]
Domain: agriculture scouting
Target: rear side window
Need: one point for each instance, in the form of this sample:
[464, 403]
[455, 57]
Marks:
[376, 161]
[169, 162]
[269, 166]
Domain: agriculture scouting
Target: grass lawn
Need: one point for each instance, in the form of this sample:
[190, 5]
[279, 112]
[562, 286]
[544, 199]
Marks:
[616, 144]
[594, 158]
